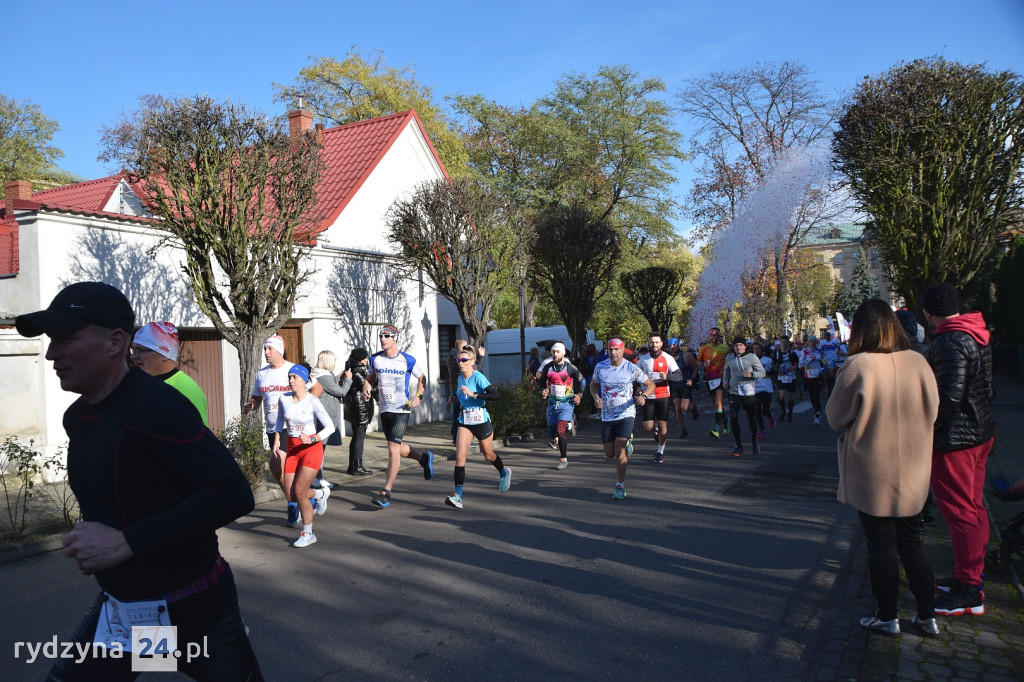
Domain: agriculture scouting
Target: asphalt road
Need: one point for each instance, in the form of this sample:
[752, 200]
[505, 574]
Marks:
[713, 568]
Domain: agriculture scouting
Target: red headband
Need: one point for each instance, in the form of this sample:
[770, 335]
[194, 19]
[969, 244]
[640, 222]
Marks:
[616, 343]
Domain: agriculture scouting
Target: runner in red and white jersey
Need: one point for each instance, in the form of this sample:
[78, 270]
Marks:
[661, 368]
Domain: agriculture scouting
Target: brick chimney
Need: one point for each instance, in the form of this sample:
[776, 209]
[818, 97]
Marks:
[18, 189]
[299, 122]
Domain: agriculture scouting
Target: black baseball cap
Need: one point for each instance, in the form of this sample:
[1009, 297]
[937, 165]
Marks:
[79, 305]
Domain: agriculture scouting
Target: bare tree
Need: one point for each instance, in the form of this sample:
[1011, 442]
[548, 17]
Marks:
[466, 240]
[652, 292]
[748, 120]
[237, 195]
[579, 253]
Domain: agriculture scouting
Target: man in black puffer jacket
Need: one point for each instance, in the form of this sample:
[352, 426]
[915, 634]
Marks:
[961, 357]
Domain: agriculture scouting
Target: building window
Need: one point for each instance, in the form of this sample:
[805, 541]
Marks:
[874, 258]
[839, 258]
[446, 335]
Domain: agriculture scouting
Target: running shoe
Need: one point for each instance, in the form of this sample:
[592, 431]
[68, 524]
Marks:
[659, 458]
[684, 433]
[383, 499]
[562, 463]
[454, 501]
[762, 434]
[771, 422]
[926, 626]
[427, 462]
[572, 427]
[629, 446]
[714, 432]
[328, 484]
[737, 451]
[321, 501]
[817, 421]
[293, 514]
[553, 444]
[960, 600]
[946, 584]
[305, 540]
[619, 493]
[886, 627]
[694, 411]
[755, 448]
[725, 429]
[504, 480]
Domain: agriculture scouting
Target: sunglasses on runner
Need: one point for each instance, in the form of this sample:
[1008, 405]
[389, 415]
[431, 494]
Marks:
[461, 360]
[387, 336]
[139, 350]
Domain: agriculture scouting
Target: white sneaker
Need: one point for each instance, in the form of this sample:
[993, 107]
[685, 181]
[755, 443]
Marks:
[320, 501]
[562, 463]
[817, 421]
[553, 444]
[305, 540]
[572, 427]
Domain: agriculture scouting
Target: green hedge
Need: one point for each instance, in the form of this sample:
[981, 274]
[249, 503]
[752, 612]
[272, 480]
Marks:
[518, 409]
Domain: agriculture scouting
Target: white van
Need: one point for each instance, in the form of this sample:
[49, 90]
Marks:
[503, 362]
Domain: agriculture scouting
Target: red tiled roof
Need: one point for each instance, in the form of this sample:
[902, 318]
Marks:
[88, 198]
[352, 151]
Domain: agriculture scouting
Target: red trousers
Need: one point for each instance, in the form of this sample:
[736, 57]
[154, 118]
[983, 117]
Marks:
[958, 479]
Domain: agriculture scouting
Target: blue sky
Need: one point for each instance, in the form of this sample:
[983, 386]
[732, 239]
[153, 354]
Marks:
[84, 63]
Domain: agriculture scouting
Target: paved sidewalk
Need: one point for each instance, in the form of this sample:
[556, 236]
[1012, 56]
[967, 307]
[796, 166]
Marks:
[988, 647]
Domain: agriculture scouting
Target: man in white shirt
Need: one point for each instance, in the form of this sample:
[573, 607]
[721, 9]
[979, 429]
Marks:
[391, 372]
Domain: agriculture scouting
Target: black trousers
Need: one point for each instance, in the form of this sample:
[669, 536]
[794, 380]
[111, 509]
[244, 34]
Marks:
[355, 447]
[813, 389]
[892, 541]
[750, 405]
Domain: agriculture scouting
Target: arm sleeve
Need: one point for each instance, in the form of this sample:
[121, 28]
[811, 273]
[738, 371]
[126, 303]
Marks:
[489, 393]
[321, 414]
[674, 373]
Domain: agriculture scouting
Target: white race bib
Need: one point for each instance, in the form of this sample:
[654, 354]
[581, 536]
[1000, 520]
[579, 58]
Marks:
[813, 372]
[557, 390]
[714, 383]
[745, 388]
[388, 389]
[117, 618]
[473, 415]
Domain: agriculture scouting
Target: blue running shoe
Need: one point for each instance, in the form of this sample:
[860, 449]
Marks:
[383, 499]
[504, 480]
[629, 446]
[427, 462]
[293, 513]
[619, 493]
[454, 501]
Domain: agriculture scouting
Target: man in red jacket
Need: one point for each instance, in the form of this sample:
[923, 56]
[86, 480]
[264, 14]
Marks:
[961, 357]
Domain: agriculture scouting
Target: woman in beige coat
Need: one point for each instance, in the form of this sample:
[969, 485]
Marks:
[885, 401]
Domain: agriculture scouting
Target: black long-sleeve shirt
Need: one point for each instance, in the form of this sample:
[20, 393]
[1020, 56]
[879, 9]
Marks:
[141, 461]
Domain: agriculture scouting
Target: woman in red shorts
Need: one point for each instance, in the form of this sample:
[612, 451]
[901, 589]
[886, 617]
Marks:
[297, 414]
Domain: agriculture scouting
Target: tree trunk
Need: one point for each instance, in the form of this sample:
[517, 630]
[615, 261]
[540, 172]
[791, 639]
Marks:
[530, 319]
[249, 346]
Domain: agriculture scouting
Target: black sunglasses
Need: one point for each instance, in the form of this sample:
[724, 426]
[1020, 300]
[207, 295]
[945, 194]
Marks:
[465, 359]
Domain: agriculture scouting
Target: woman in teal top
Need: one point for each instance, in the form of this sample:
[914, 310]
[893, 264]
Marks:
[474, 390]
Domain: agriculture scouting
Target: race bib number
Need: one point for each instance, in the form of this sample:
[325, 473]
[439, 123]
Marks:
[714, 383]
[558, 390]
[473, 415]
[388, 389]
[117, 619]
[813, 372]
[745, 388]
[295, 430]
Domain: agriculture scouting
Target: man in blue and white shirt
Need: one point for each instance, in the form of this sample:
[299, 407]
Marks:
[391, 371]
[612, 389]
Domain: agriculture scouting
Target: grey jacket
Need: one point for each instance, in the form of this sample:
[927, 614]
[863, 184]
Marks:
[735, 368]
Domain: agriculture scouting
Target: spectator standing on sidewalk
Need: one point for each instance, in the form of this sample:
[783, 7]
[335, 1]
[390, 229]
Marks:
[961, 357]
[885, 458]
[330, 389]
[151, 546]
[358, 411]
